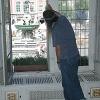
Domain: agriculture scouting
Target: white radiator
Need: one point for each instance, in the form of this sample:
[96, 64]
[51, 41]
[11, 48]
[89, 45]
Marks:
[47, 86]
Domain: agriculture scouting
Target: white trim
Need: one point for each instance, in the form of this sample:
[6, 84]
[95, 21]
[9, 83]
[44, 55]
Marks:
[92, 25]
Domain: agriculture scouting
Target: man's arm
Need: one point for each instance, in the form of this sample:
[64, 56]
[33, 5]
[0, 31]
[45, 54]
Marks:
[58, 53]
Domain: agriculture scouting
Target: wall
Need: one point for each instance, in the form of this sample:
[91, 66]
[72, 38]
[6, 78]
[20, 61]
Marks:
[1, 59]
[52, 62]
[97, 39]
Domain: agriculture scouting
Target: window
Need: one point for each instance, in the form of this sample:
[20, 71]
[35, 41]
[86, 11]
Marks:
[32, 7]
[41, 7]
[26, 7]
[77, 11]
[18, 6]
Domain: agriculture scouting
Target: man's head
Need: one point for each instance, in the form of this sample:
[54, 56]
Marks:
[50, 16]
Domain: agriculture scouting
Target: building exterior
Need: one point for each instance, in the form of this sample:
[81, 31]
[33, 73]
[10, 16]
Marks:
[27, 12]
[23, 7]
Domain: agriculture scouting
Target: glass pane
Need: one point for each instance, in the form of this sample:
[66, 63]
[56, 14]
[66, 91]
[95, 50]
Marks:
[29, 39]
[77, 11]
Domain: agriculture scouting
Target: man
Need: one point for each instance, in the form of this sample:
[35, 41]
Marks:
[67, 53]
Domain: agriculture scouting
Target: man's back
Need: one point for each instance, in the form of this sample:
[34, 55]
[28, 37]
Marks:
[63, 35]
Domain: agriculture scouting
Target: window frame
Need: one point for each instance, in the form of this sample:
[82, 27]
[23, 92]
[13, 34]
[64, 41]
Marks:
[90, 40]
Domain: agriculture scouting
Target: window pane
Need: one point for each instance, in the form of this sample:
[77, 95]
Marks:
[78, 14]
[26, 7]
[18, 6]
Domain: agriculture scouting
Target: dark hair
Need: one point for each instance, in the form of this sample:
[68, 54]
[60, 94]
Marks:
[48, 14]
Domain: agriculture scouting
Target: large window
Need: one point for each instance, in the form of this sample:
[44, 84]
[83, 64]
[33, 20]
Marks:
[32, 6]
[29, 40]
[77, 11]
[18, 6]
[26, 7]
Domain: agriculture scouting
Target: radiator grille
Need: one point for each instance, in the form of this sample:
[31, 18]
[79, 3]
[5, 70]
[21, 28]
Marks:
[58, 78]
[46, 95]
[40, 79]
[80, 79]
[31, 80]
[91, 77]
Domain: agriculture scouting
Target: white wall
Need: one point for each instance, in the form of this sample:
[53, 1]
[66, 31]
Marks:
[1, 60]
[92, 26]
[52, 62]
[97, 39]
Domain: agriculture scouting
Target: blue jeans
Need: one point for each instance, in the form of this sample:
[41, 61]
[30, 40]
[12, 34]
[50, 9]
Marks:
[70, 81]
